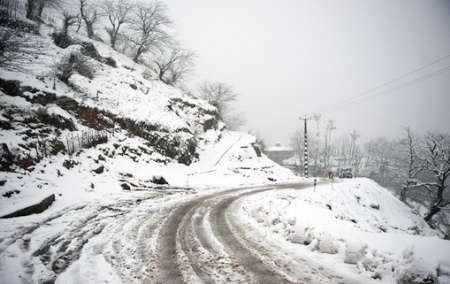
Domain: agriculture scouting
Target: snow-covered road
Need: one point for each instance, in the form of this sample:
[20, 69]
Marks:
[153, 238]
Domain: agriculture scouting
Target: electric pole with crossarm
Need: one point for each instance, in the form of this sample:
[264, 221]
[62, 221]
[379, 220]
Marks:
[305, 149]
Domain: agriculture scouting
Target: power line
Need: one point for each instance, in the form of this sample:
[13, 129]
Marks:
[421, 78]
[368, 93]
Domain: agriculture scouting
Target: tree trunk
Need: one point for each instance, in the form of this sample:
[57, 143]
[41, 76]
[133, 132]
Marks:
[433, 211]
[40, 9]
[29, 9]
[403, 194]
[435, 208]
[113, 41]
[89, 29]
[138, 54]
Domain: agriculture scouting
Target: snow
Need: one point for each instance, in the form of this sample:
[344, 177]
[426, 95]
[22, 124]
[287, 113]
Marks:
[339, 222]
[355, 227]
[17, 102]
[53, 109]
[220, 165]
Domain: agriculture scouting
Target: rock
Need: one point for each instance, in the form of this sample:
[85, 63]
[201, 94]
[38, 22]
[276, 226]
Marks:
[2, 182]
[33, 209]
[271, 179]
[9, 193]
[329, 206]
[375, 206]
[127, 175]
[68, 164]
[99, 170]
[125, 186]
[159, 180]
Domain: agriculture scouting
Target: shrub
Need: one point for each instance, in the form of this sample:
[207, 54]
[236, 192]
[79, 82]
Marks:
[74, 62]
[55, 120]
[62, 40]
[89, 49]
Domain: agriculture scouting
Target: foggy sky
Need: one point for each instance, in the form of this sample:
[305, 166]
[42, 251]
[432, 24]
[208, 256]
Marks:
[290, 57]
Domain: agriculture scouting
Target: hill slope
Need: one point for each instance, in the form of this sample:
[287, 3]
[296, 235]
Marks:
[82, 120]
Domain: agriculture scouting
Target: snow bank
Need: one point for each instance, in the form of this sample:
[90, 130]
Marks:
[356, 223]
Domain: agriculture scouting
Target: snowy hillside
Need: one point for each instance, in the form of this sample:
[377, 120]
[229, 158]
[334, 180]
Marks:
[109, 128]
[353, 227]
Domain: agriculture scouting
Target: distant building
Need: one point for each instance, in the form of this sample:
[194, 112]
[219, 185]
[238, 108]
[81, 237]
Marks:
[278, 153]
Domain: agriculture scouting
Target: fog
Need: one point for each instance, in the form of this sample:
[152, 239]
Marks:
[288, 58]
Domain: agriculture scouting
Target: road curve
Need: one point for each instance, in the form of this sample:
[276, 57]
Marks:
[155, 237]
[200, 242]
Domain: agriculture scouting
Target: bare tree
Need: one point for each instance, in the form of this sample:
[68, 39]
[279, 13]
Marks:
[414, 165]
[89, 15]
[327, 146]
[173, 66]
[296, 142]
[34, 8]
[149, 23]
[259, 140]
[219, 95]
[71, 63]
[118, 13]
[438, 164]
[381, 160]
[9, 9]
[30, 8]
[234, 120]
[317, 117]
[68, 21]
[355, 152]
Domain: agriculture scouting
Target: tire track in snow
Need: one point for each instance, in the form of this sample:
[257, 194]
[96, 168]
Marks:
[182, 230]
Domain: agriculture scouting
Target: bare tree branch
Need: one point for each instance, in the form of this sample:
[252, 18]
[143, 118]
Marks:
[173, 66]
[89, 15]
[219, 95]
[118, 13]
[149, 23]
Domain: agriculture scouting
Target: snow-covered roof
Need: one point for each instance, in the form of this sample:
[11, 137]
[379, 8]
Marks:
[278, 147]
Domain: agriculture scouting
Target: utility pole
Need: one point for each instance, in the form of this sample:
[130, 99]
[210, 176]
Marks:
[305, 150]
[330, 127]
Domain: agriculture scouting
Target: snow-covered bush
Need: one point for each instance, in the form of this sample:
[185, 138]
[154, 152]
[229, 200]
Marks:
[301, 234]
[413, 269]
[354, 252]
[327, 244]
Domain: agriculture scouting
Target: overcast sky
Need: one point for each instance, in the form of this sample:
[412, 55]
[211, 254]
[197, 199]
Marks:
[290, 57]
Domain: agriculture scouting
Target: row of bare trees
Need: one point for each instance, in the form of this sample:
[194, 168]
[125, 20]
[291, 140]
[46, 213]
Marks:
[139, 29]
[416, 167]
